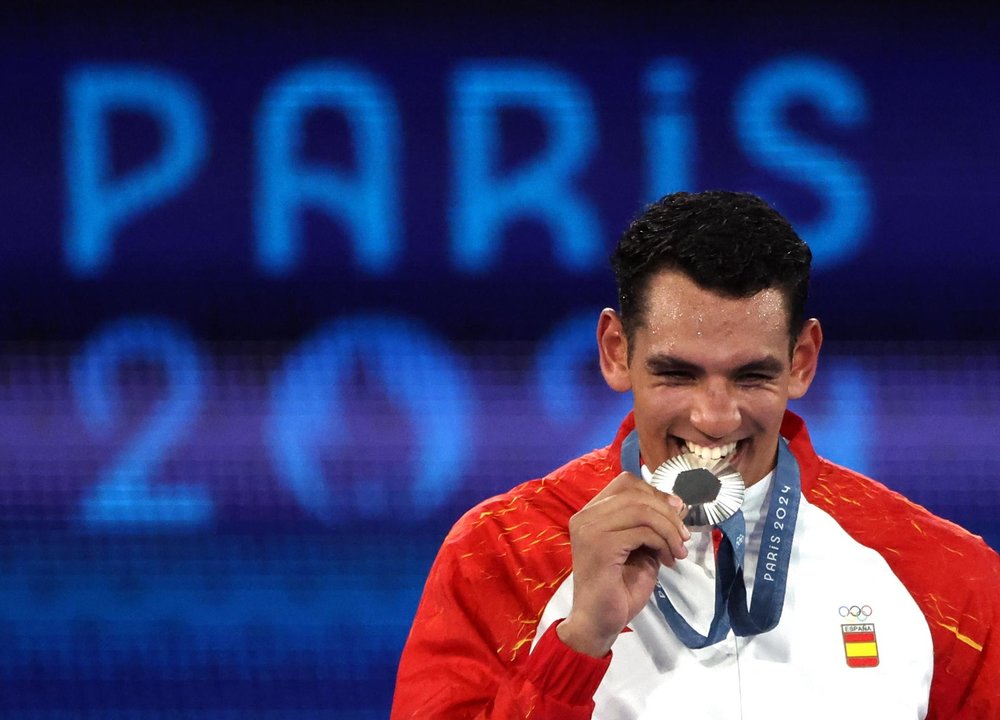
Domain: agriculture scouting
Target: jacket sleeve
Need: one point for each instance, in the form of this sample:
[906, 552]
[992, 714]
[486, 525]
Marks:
[468, 656]
[966, 682]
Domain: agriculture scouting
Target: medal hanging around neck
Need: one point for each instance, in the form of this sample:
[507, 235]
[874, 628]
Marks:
[712, 489]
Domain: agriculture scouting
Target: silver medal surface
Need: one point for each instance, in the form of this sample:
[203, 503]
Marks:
[712, 489]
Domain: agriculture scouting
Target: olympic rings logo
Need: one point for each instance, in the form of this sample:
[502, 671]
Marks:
[860, 614]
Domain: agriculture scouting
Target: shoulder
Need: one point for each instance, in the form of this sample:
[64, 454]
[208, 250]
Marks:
[913, 540]
[503, 560]
[893, 525]
[538, 507]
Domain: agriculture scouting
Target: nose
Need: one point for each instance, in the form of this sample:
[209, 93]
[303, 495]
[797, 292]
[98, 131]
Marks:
[714, 410]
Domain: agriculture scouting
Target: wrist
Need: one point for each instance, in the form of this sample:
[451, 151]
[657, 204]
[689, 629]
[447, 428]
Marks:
[577, 636]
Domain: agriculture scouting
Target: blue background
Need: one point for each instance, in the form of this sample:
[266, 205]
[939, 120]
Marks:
[285, 291]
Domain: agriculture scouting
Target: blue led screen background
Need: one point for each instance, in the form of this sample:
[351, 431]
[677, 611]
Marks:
[285, 291]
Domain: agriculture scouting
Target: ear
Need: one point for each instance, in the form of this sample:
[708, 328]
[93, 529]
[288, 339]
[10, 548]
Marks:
[612, 348]
[805, 358]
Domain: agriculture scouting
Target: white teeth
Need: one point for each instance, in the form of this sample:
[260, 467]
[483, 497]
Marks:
[710, 453]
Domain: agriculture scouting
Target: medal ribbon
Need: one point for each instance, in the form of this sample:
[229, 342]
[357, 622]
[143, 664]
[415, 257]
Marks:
[731, 610]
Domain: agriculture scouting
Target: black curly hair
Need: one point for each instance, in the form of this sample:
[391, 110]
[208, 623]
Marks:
[731, 243]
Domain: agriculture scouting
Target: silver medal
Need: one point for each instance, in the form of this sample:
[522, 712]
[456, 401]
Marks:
[712, 489]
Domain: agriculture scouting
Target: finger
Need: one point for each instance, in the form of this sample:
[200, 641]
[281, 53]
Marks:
[627, 481]
[603, 535]
[643, 539]
[616, 547]
[675, 501]
[630, 509]
[673, 535]
[645, 558]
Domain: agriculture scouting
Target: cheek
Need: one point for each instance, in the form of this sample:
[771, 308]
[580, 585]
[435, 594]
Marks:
[767, 408]
[658, 406]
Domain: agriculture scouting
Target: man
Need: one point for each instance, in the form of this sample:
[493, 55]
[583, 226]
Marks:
[584, 594]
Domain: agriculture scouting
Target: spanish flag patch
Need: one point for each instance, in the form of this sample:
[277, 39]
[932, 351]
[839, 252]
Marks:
[860, 646]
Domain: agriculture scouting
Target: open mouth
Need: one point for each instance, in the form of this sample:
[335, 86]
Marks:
[710, 453]
[732, 452]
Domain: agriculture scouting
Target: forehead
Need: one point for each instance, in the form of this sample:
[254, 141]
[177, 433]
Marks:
[678, 310]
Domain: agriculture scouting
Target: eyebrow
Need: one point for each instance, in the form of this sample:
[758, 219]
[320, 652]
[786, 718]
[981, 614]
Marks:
[670, 363]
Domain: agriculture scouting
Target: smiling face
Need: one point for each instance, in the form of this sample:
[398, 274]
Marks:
[709, 373]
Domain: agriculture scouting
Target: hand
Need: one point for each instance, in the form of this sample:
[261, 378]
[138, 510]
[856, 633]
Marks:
[618, 541]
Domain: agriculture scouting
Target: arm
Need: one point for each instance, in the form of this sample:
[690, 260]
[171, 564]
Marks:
[467, 654]
[966, 682]
[457, 663]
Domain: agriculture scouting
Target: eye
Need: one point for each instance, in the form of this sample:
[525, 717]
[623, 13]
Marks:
[754, 379]
[675, 377]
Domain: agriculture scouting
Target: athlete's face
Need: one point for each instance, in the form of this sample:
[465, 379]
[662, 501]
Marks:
[709, 370]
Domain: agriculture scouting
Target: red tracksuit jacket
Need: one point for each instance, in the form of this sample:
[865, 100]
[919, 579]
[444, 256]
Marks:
[483, 644]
